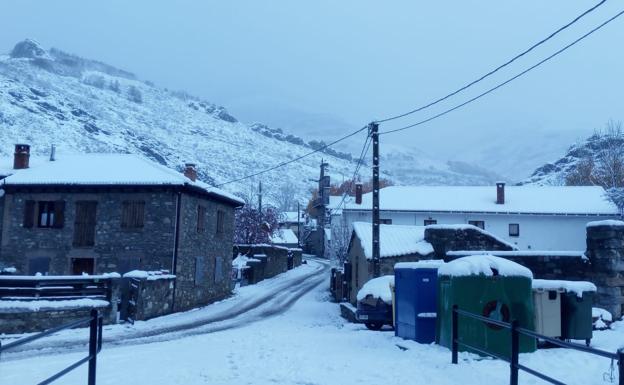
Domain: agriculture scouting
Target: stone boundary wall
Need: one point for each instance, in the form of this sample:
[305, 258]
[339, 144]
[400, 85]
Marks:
[155, 297]
[602, 263]
[38, 314]
[447, 238]
[272, 260]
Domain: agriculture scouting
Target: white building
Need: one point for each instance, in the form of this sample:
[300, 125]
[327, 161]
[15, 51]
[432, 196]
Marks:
[531, 217]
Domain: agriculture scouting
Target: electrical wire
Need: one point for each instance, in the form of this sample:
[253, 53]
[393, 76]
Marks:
[507, 81]
[282, 164]
[496, 69]
[359, 164]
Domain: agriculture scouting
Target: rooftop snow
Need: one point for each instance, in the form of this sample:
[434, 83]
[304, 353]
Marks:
[291, 216]
[518, 199]
[608, 222]
[484, 265]
[106, 169]
[577, 287]
[424, 264]
[395, 240]
[284, 236]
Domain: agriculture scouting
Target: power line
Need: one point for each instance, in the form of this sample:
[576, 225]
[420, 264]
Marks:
[508, 80]
[359, 164]
[294, 159]
[496, 69]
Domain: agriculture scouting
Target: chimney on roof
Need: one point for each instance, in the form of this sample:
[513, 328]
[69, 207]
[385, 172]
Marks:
[21, 158]
[52, 153]
[500, 193]
[358, 193]
[190, 171]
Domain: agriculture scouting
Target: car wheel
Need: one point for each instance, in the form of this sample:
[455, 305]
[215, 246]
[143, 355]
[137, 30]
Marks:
[374, 325]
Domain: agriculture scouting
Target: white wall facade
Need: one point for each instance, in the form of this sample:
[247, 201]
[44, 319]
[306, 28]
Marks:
[537, 232]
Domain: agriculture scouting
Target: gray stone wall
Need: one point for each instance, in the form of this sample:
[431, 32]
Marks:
[448, 239]
[204, 258]
[152, 244]
[36, 321]
[605, 250]
[155, 298]
[603, 265]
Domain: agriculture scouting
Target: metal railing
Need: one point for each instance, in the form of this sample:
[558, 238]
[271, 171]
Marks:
[95, 346]
[516, 331]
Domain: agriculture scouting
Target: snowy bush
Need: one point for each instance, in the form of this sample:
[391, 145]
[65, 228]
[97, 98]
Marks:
[96, 81]
[134, 95]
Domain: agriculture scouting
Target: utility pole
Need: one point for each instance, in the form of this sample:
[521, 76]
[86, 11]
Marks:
[298, 225]
[374, 133]
[260, 197]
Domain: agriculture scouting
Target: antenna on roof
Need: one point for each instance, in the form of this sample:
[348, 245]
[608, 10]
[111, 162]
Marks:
[53, 153]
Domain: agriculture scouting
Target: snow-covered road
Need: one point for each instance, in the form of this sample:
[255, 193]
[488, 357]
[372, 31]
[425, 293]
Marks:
[249, 304]
[308, 344]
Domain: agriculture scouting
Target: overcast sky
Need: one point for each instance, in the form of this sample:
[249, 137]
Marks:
[328, 65]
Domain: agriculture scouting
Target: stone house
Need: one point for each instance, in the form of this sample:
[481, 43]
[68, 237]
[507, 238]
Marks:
[98, 213]
[397, 244]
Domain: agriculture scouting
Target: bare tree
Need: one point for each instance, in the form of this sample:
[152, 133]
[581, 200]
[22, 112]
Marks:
[284, 197]
[341, 237]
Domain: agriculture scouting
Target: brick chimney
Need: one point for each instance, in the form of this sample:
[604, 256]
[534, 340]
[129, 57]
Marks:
[500, 193]
[358, 193]
[190, 171]
[21, 158]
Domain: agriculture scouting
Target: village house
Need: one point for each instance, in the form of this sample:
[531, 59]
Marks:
[98, 213]
[529, 217]
[398, 244]
[405, 243]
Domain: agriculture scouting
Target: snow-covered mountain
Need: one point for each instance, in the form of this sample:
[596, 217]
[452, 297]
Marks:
[555, 173]
[413, 167]
[80, 105]
[51, 97]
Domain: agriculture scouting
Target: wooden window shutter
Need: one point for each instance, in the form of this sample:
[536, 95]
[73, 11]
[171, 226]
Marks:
[84, 223]
[59, 214]
[29, 214]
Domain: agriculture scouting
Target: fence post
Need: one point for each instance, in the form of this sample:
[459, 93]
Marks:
[454, 335]
[93, 345]
[515, 351]
[620, 355]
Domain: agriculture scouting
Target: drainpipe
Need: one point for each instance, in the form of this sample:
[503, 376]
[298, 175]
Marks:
[176, 243]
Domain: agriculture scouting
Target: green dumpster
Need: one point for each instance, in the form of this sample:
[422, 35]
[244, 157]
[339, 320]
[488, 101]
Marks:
[576, 311]
[489, 286]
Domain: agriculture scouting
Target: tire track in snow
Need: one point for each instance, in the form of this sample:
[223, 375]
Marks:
[275, 301]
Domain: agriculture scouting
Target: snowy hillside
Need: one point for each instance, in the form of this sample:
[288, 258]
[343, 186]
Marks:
[80, 105]
[50, 97]
[555, 173]
[413, 167]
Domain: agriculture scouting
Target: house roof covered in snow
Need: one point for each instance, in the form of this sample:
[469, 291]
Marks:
[395, 240]
[284, 236]
[107, 170]
[518, 199]
[291, 217]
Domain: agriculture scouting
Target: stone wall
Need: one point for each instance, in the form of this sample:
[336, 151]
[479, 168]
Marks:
[203, 272]
[155, 298]
[602, 263]
[272, 260]
[605, 250]
[448, 238]
[114, 247]
[25, 321]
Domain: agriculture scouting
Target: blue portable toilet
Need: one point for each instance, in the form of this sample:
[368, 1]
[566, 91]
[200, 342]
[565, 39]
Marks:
[416, 288]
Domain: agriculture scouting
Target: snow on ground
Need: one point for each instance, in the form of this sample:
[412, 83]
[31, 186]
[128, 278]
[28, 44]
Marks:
[309, 344]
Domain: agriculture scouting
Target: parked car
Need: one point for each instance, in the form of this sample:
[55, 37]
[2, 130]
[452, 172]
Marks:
[374, 303]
